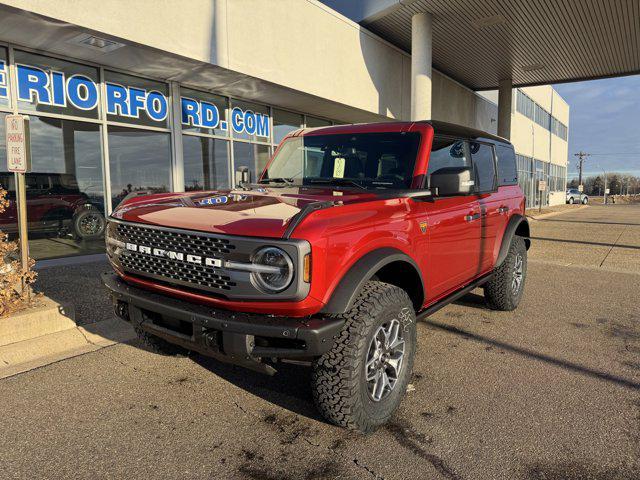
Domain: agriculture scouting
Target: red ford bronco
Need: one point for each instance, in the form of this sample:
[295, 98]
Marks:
[351, 235]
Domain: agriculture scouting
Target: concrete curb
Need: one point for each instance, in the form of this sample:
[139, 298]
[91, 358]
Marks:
[45, 317]
[553, 214]
[25, 355]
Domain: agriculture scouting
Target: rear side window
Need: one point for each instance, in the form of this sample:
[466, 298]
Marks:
[485, 166]
[507, 170]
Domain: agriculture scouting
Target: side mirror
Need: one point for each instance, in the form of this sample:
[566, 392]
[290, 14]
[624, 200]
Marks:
[452, 181]
[243, 176]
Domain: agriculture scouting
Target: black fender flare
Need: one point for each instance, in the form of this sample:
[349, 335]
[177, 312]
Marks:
[515, 222]
[362, 271]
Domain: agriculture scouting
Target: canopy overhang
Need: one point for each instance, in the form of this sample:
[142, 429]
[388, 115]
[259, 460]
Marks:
[480, 42]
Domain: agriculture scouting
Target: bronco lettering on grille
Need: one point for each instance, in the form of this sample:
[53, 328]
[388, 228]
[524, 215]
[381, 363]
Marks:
[179, 256]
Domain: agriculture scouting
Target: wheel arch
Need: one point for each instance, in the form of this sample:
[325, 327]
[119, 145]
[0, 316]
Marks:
[387, 265]
[518, 225]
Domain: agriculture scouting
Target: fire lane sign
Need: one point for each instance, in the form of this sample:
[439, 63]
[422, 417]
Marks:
[18, 143]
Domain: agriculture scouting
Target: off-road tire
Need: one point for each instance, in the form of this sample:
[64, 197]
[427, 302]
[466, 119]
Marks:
[339, 383]
[571, 201]
[158, 345]
[498, 292]
[585, 200]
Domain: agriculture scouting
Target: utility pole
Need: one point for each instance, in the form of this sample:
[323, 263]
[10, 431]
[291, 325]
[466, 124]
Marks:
[581, 158]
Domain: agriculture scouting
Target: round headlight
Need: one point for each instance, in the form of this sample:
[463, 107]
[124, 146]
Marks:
[272, 269]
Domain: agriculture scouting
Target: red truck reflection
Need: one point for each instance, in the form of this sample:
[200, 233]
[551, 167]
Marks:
[55, 205]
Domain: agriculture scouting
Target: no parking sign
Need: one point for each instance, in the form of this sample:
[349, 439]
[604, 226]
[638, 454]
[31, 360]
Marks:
[19, 162]
[18, 143]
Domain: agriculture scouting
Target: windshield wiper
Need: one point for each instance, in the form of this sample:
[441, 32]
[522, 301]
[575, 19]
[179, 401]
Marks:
[336, 181]
[287, 181]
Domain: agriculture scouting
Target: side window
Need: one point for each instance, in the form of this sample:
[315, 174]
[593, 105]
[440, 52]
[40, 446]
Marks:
[485, 166]
[38, 184]
[507, 170]
[447, 152]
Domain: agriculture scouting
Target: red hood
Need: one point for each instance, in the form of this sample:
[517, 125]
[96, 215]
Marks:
[260, 212]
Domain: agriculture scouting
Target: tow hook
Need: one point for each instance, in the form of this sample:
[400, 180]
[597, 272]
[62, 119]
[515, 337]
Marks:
[212, 339]
[122, 310]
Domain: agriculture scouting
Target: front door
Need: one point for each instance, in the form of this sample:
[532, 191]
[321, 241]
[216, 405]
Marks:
[453, 254]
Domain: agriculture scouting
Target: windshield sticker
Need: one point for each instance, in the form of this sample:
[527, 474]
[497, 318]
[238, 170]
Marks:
[338, 167]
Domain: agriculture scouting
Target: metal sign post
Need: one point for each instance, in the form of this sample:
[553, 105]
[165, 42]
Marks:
[19, 162]
[542, 187]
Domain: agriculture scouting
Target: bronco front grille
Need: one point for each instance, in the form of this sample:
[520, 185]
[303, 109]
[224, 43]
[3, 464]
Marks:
[187, 242]
[171, 270]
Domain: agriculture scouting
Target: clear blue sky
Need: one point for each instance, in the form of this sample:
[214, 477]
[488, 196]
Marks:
[604, 118]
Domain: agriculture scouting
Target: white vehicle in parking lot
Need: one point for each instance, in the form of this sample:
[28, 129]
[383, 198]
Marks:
[576, 196]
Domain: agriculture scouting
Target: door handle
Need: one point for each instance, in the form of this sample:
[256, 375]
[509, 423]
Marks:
[503, 209]
[471, 218]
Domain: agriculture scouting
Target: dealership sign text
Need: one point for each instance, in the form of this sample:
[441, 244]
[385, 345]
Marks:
[57, 89]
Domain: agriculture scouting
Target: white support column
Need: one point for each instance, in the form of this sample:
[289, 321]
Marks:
[177, 164]
[421, 43]
[505, 97]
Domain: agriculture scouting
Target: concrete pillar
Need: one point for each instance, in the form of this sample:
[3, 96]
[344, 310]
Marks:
[505, 97]
[421, 43]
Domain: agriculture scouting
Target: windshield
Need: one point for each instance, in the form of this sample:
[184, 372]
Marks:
[361, 160]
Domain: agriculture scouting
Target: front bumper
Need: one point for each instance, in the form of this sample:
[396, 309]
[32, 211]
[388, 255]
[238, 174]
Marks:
[241, 338]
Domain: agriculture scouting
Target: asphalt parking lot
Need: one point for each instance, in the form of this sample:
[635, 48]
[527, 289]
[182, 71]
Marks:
[550, 391]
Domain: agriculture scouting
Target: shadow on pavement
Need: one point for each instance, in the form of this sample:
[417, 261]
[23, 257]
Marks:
[600, 244]
[536, 356]
[589, 221]
[473, 300]
[289, 388]
[78, 285]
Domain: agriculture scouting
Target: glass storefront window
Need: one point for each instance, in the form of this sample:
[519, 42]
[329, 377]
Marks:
[65, 206]
[139, 161]
[313, 122]
[251, 155]
[206, 163]
[4, 78]
[136, 100]
[198, 111]
[248, 109]
[50, 85]
[283, 123]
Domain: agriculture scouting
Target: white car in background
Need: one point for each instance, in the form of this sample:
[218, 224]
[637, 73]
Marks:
[576, 196]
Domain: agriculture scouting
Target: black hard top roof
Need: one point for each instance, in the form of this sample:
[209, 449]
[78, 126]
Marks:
[440, 128]
[444, 128]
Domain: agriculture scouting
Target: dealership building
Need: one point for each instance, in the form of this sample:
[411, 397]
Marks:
[177, 96]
